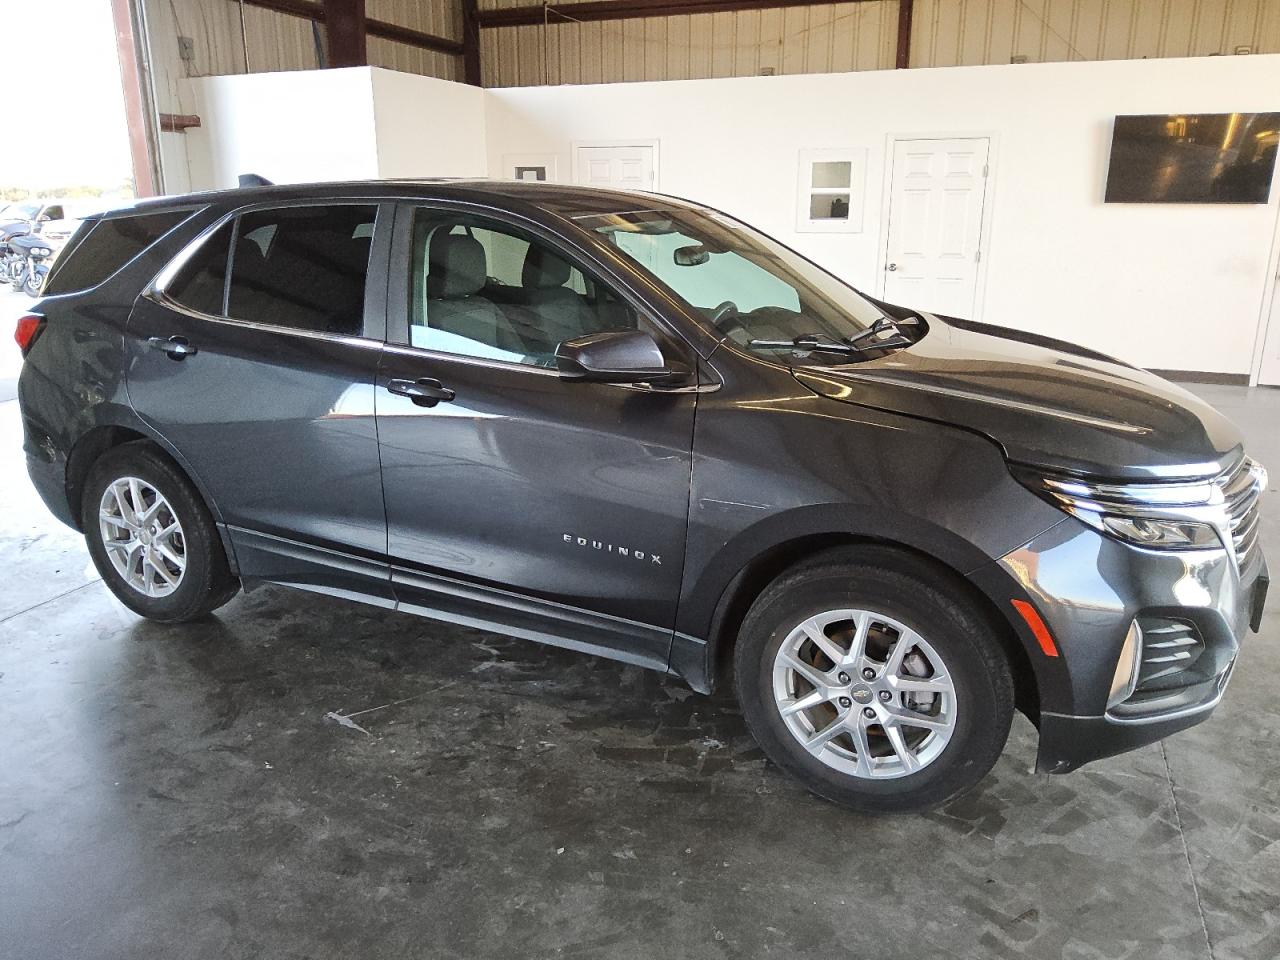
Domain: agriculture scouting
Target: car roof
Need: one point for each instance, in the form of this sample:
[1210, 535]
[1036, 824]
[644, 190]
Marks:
[566, 200]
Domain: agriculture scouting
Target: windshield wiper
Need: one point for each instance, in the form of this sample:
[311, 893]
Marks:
[860, 343]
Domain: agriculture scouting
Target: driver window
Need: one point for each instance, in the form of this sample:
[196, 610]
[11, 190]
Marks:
[483, 289]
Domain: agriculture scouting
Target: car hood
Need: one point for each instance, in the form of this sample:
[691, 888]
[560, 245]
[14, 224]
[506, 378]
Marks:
[1048, 403]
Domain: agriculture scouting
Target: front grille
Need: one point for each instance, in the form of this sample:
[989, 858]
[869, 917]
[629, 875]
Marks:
[1241, 492]
[1169, 649]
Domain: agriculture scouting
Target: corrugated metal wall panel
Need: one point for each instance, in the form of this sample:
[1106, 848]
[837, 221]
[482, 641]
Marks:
[955, 32]
[277, 41]
[817, 39]
[863, 36]
[440, 17]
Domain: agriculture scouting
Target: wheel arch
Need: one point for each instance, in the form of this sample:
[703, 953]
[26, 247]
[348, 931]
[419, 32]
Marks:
[111, 429]
[105, 436]
[756, 572]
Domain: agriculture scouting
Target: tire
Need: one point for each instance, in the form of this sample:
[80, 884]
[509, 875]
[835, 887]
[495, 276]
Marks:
[951, 649]
[152, 583]
[33, 283]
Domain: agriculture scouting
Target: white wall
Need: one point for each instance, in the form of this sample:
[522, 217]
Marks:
[1165, 286]
[427, 127]
[288, 127]
[360, 123]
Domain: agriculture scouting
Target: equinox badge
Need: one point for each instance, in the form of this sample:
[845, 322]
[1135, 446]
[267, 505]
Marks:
[611, 548]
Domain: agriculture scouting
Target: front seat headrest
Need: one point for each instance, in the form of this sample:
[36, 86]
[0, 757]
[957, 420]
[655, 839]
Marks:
[543, 269]
[457, 267]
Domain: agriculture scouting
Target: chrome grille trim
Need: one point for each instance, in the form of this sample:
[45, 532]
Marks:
[1241, 488]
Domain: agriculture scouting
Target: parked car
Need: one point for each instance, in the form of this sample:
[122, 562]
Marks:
[16, 215]
[637, 427]
[31, 213]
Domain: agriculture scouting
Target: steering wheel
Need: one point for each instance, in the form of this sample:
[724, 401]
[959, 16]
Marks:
[725, 317]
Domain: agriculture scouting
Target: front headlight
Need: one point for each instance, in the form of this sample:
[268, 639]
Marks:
[1153, 532]
[1161, 516]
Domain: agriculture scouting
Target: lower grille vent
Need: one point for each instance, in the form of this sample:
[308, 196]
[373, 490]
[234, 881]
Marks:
[1169, 649]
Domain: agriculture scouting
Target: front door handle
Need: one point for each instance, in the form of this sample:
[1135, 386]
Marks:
[178, 348]
[425, 392]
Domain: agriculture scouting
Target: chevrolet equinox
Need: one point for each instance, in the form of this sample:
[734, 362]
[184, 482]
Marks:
[636, 427]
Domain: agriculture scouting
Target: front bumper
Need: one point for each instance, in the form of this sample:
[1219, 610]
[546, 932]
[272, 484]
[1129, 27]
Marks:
[1089, 589]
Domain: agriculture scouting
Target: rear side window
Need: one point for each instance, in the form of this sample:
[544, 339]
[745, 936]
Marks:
[108, 246]
[201, 284]
[298, 267]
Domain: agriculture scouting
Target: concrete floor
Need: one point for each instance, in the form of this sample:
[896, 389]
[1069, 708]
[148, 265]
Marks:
[185, 792]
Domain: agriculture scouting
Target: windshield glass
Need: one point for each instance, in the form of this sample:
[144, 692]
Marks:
[21, 211]
[752, 288]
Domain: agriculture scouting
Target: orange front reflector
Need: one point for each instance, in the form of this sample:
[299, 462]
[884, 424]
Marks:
[1043, 637]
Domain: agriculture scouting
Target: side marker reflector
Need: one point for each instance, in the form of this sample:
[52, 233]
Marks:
[1042, 634]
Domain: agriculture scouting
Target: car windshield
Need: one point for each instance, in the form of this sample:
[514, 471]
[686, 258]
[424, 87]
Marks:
[757, 292]
[20, 211]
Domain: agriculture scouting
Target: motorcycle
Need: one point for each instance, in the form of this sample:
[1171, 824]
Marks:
[12, 263]
[33, 256]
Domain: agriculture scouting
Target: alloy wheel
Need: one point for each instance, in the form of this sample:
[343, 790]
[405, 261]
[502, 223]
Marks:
[142, 537]
[864, 694]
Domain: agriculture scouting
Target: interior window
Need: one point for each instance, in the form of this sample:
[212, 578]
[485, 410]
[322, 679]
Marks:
[484, 289]
[302, 267]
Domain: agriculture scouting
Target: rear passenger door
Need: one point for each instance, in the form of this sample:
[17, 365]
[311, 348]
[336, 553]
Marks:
[554, 508]
[254, 356]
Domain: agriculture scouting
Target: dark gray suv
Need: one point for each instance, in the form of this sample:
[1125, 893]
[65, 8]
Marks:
[636, 427]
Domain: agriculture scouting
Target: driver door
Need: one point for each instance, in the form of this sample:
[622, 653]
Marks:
[553, 509]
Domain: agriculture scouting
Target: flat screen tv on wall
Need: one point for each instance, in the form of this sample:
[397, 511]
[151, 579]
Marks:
[1193, 158]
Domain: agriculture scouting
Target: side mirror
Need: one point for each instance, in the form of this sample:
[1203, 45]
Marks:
[619, 356]
[691, 256]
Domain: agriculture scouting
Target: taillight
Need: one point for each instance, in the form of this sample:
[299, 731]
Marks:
[26, 331]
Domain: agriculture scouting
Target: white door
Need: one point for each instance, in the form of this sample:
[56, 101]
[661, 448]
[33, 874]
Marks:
[618, 167]
[1269, 371]
[1269, 375]
[934, 234]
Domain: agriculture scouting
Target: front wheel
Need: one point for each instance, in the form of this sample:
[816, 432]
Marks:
[152, 538]
[34, 282]
[871, 683]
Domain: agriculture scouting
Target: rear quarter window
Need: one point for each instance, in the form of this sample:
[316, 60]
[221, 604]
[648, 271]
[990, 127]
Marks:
[106, 247]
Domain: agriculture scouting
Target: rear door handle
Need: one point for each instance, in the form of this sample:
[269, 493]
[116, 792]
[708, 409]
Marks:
[425, 392]
[178, 348]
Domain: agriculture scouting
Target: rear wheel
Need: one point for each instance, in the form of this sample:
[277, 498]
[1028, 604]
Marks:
[151, 536]
[871, 683]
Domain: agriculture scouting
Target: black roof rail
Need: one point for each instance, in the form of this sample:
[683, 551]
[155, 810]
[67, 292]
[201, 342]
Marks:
[253, 180]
